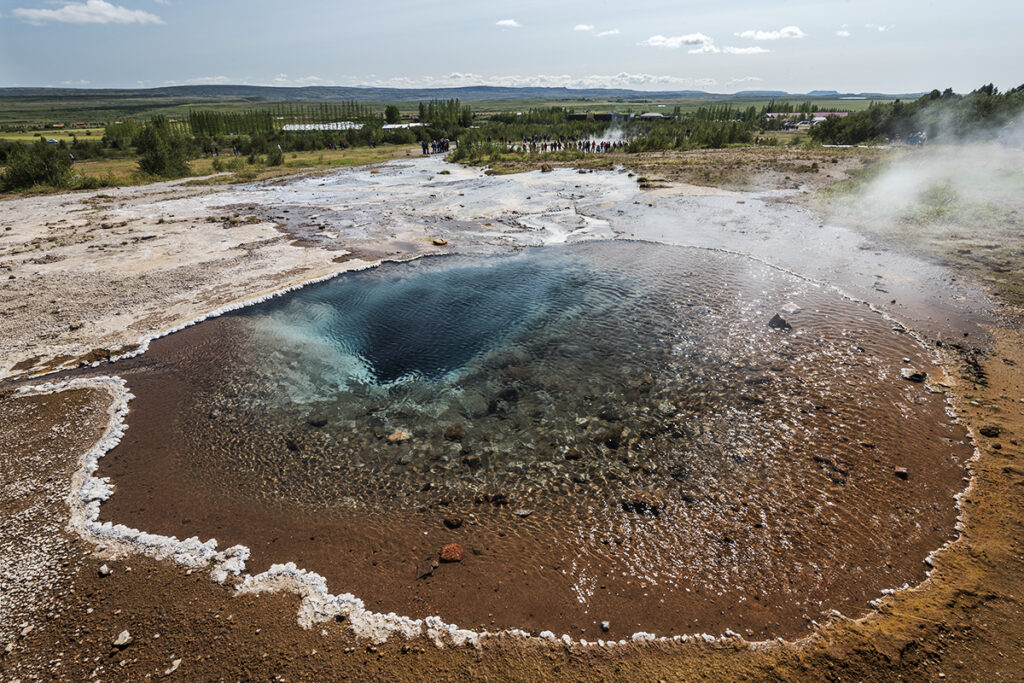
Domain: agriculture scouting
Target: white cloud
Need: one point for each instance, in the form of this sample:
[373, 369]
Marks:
[508, 23]
[755, 50]
[75, 83]
[89, 12]
[162, 2]
[743, 79]
[583, 27]
[784, 32]
[612, 32]
[284, 80]
[698, 41]
[201, 80]
[843, 33]
[881, 28]
[633, 81]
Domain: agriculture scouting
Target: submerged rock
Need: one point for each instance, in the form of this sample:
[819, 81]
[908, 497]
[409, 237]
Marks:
[399, 435]
[452, 552]
[454, 432]
[644, 504]
[991, 431]
[779, 323]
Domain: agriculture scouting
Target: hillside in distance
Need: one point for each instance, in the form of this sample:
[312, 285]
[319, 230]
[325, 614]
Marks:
[257, 93]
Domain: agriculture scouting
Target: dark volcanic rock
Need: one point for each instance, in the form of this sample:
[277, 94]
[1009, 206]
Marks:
[991, 431]
[644, 504]
[913, 375]
[779, 323]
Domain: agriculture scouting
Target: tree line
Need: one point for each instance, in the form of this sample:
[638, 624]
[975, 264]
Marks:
[979, 115]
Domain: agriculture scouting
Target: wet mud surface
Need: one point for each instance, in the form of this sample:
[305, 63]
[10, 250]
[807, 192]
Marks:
[610, 429]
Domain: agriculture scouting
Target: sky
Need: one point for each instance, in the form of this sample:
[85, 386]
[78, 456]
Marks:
[892, 46]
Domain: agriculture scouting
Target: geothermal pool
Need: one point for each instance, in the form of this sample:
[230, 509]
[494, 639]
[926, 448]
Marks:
[611, 429]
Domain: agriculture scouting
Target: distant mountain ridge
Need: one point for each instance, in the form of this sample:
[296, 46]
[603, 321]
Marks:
[258, 93]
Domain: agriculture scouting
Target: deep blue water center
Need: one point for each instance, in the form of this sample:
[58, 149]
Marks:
[426, 319]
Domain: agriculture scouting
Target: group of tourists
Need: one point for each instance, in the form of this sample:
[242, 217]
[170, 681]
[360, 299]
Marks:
[546, 144]
[436, 146]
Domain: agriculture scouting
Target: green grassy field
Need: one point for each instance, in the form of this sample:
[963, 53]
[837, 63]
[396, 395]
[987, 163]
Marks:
[97, 110]
[51, 134]
[124, 171]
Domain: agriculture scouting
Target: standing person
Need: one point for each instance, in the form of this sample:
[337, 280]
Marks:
[423, 144]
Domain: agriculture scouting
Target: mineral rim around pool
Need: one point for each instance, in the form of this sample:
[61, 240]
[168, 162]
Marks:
[610, 429]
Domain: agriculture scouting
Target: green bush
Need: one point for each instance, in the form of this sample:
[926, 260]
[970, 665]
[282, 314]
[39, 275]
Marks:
[37, 164]
[164, 150]
[275, 157]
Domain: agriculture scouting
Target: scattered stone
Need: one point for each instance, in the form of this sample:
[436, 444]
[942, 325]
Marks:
[291, 444]
[901, 473]
[644, 504]
[317, 421]
[522, 513]
[790, 308]
[606, 626]
[546, 168]
[572, 453]
[123, 640]
[439, 242]
[452, 552]
[991, 431]
[399, 435]
[454, 432]
[426, 568]
[404, 459]
[77, 325]
[105, 570]
[779, 323]
[472, 461]
[913, 375]
[453, 522]
[174, 667]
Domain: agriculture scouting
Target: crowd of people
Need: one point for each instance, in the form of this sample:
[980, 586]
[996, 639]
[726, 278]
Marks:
[436, 146]
[546, 144]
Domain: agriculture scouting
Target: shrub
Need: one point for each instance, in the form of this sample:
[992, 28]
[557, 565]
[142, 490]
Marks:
[37, 164]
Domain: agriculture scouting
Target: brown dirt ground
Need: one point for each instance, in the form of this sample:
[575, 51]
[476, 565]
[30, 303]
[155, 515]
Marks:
[733, 168]
[965, 623]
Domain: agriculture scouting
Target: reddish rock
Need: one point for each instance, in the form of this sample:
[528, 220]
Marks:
[454, 432]
[453, 522]
[452, 553]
